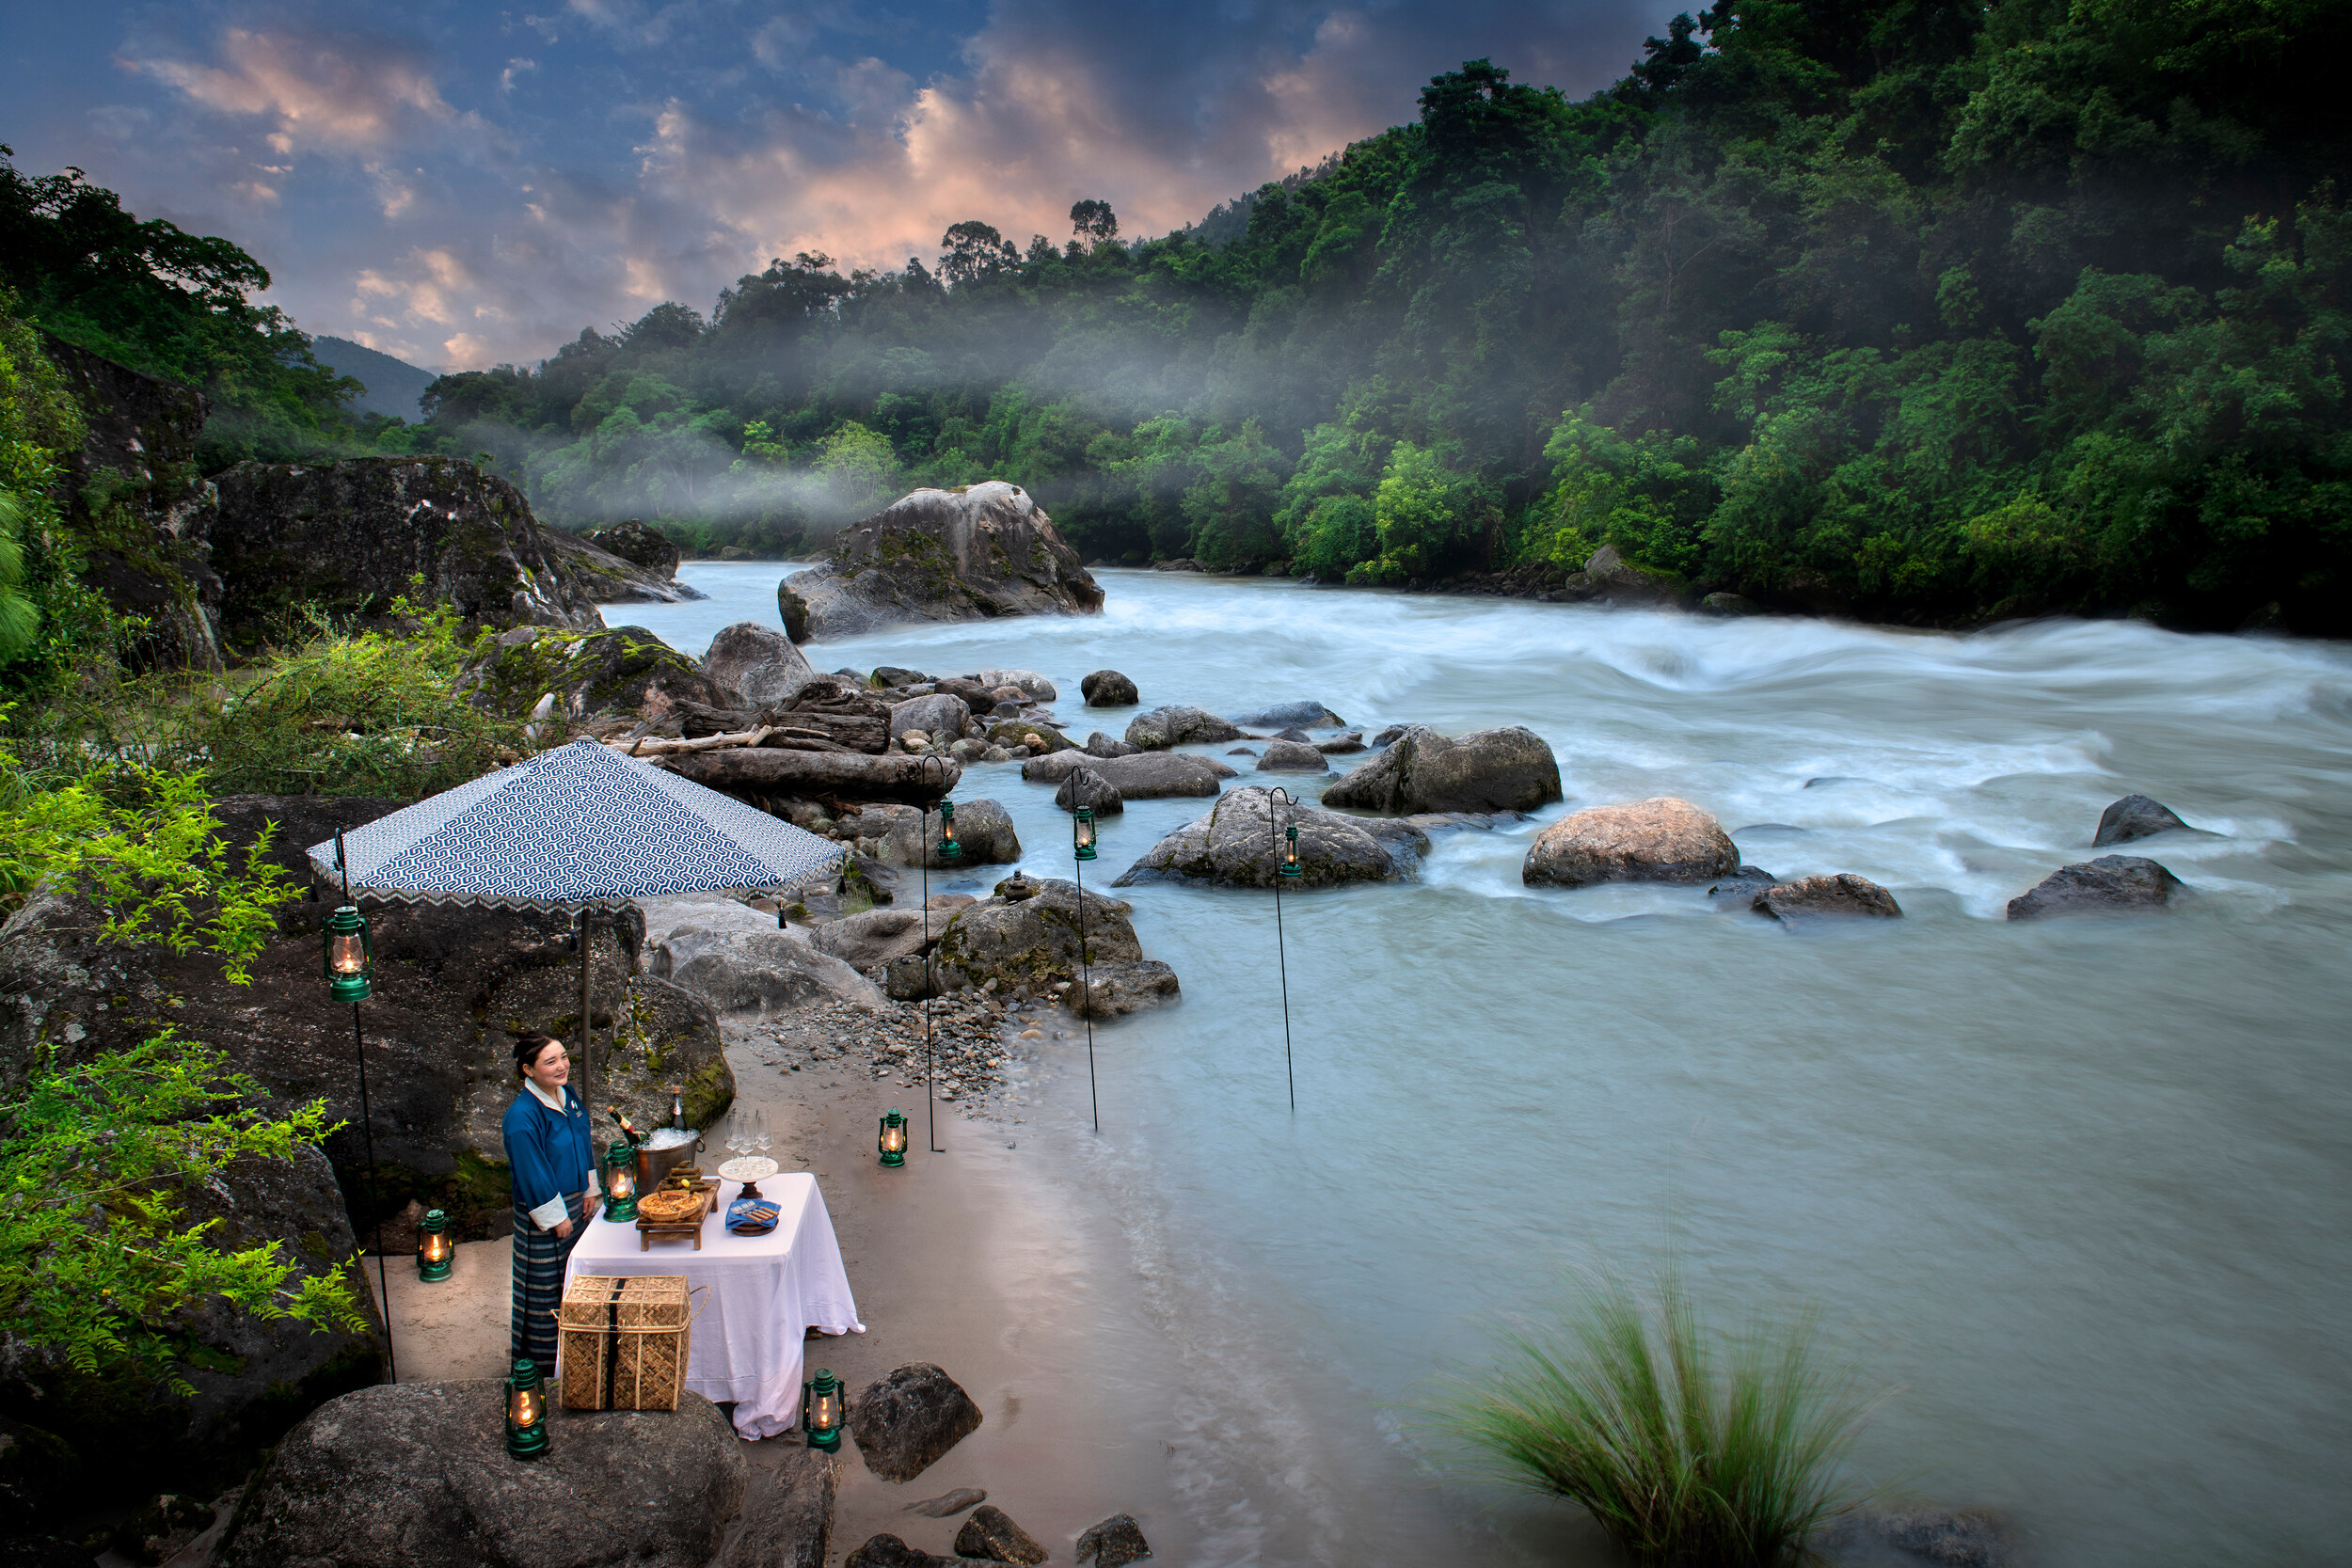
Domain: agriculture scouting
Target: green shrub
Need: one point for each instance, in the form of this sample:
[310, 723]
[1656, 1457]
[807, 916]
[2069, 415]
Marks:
[1688, 1448]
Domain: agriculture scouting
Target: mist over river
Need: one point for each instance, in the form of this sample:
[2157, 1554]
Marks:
[2075, 1195]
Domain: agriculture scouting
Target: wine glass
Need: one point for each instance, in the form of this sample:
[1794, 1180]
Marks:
[760, 1131]
[735, 1142]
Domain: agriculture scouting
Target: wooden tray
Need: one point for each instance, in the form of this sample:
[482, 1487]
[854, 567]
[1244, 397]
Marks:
[689, 1229]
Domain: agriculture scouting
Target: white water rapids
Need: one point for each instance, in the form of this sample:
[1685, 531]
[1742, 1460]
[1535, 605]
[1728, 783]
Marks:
[2076, 1197]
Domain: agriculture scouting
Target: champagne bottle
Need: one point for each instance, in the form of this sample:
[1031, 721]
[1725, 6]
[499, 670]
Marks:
[678, 1106]
[635, 1139]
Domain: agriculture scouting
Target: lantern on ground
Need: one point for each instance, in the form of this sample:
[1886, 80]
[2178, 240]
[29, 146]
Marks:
[434, 1251]
[1082, 833]
[349, 963]
[1290, 850]
[620, 1183]
[948, 848]
[820, 1412]
[892, 1140]
[526, 1412]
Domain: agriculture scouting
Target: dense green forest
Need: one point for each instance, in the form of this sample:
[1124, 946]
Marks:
[1941, 312]
[1935, 312]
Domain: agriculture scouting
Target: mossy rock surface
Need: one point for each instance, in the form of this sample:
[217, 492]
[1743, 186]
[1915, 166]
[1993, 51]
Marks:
[974, 553]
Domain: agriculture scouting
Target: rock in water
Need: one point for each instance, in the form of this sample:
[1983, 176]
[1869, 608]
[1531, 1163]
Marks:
[1144, 776]
[1306, 715]
[970, 554]
[1109, 689]
[949, 1505]
[410, 1473]
[1100, 745]
[1498, 770]
[1025, 684]
[641, 546]
[905, 1422]
[888, 1551]
[991, 1535]
[1844, 895]
[938, 715]
[1729, 605]
[610, 579]
[1658, 840]
[759, 665]
[984, 833]
[626, 671]
[793, 612]
[1237, 843]
[1086, 787]
[1115, 1542]
[1177, 725]
[2133, 817]
[1291, 756]
[2112, 884]
[350, 536]
[1738, 890]
[1610, 576]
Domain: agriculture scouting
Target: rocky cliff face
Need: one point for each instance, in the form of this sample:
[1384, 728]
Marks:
[968, 554]
[350, 536]
[143, 513]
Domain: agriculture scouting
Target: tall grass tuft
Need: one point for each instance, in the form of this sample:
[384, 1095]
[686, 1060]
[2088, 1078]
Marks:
[1691, 1449]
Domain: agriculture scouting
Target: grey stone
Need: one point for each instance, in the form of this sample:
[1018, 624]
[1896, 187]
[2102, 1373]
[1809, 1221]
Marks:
[1100, 745]
[1177, 725]
[761, 666]
[984, 833]
[610, 579]
[1498, 770]
[1658, 840]
[1030, 938]
[903, 1422]
[1840, 897]
[974, 553]
[1308, 715]
[624, 672]
[1237, 844]
[991, 1535]
[1113, 1544]
[1108, 689]
[1028, 683]
[646, 549]
[2133, 817]
[939, 716]
[1617, 579]
[1390, 736]
[787, 1513]
[1341, 744]
[1738, 889]
[872, 936]
[895, 675]
[1085, 787]
[1291, 756]
[793, 612]
[751, 966]
[2112, 884]
[1116, 989]
[410, 1473]
[1144, 776]
[1729, 605]
[888, 1551]
[949, 1504]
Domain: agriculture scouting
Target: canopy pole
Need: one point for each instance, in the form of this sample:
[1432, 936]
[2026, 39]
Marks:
[587, 1024]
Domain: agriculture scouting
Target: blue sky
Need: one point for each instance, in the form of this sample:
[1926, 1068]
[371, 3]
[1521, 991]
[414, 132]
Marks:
[461, 184]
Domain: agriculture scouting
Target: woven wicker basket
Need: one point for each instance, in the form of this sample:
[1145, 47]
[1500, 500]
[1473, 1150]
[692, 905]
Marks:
[624, 1341]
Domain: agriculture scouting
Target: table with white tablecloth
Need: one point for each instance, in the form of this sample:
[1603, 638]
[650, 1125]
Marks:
[754, 1297]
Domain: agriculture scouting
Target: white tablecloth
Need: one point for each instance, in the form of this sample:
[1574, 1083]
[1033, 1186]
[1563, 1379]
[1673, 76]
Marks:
[764, 1294]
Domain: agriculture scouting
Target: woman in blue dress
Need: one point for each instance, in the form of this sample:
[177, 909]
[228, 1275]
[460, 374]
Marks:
[552, 1162]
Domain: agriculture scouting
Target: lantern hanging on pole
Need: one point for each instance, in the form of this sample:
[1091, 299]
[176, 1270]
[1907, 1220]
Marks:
[948, 848]
[1082, 833]
[433, 1250]
[1290, 850]
[891, 1141]
[526, 1412]
[620, 1183]
[349, 961]
[820, 1410]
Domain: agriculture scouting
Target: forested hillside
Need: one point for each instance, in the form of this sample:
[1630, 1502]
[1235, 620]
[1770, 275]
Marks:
[1941, 312]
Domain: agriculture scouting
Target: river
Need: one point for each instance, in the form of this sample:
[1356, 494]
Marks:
[2076, 1198]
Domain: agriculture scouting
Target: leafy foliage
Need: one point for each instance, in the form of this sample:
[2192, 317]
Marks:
[98, 1258]
[1688, 1448]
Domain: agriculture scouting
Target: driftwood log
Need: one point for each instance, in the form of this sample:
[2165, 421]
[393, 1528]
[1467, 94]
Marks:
[771, 770]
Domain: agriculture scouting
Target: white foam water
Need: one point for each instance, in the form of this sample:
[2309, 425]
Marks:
[2075, 1195]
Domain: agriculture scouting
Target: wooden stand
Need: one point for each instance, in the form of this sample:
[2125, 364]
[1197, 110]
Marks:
[688, 1229]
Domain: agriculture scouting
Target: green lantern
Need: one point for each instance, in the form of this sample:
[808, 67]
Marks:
[1082, 833]
[526, 1412]
[1290, 850]
[892, 1140]
[349, 963]
[948, 848]
[434, 1251]
[820, 1412]
[620, 1183]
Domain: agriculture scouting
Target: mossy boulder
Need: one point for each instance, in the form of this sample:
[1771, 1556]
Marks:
[626, 671]
[972, 553]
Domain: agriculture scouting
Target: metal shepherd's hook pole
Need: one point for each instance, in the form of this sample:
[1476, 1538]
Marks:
[1285, 864]
[1082, 850]
[367, 1138]
[930, 1102]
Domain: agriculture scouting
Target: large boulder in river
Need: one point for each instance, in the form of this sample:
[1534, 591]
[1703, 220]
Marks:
[1032, 686]
[1033, 941]
[608, 578]
[1658, 840]
[624, 674]
[759, 665]
[1109, 689]
[1291, 756]
[1610, 575]
[648, 549]
[411, 1473]
[2134, 816]
[875, 937]
[2112, 884]
[1808, 899]
[942, 716]
[903, 1423]
[1498, 770]
[1144, 776]
[974, 553]
[1177, 725]
[1238, 844]
[1087, 790]
[350, 537]
[1307, 714]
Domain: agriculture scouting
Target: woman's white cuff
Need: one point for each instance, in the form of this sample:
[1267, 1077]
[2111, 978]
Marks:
[552, 1213]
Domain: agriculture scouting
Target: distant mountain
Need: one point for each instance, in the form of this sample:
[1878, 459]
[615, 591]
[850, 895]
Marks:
[393, 385]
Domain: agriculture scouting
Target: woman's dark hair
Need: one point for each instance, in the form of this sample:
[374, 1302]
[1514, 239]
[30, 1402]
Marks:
[527, 1049]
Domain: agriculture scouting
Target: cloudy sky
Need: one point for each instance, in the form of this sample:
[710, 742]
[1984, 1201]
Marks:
[459, 185]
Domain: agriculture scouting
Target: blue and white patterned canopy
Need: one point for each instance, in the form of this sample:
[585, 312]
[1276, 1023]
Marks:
[577, 827]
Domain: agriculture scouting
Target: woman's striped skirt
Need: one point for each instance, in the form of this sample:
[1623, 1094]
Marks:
[539, 1256]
